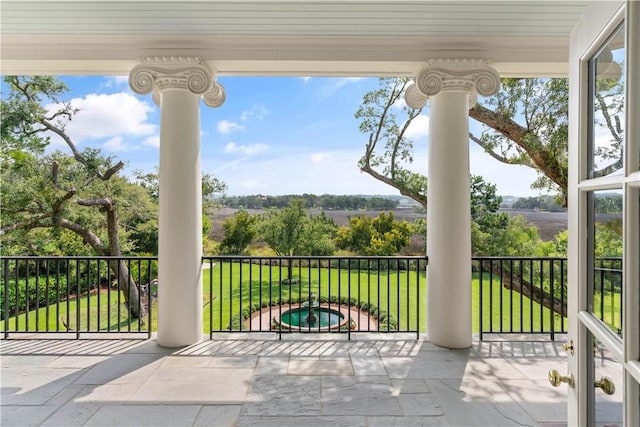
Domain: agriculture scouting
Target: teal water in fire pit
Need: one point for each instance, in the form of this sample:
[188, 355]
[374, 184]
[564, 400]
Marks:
[299, 317]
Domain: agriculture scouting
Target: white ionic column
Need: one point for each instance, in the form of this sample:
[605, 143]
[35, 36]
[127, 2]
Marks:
[178, 84]
[449, 84]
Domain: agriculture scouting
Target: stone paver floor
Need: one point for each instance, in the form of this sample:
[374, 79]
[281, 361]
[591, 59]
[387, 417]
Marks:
[301, 380]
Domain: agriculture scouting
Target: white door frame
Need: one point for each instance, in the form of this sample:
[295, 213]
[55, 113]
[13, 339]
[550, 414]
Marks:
[596, 26]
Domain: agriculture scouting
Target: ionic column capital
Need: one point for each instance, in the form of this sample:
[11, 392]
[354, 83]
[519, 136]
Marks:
[471, 75]
[158, 73]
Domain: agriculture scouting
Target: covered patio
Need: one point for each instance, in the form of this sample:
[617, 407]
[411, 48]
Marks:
[455, 51]
[299, 381]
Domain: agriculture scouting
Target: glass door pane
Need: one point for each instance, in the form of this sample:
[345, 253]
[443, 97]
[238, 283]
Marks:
[606, 231]
[607, 119]
[608, 388]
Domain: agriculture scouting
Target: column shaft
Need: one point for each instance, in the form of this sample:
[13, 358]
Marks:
[449, 222]
[180, 222]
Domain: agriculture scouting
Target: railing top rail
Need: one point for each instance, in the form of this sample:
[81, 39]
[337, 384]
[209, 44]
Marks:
[517, 258]
[313, 257]
[81, 257]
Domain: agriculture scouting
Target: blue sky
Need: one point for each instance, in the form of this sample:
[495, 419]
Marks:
[273, 135]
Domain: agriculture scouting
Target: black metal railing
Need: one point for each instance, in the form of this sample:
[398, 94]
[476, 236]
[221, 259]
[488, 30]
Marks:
[315, 294]
[519, 295]
[115, 295]
[77, 295]
[607, 292]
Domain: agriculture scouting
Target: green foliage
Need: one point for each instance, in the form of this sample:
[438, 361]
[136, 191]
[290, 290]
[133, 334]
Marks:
[389, 153]
[325, 201]
[526, 123]
[22, 112]
[502, 235]
[212, 188]
[382, 235]
[484, 200]
[289, 231]
[607, 203]
[34, 292]
[608, 239]
[239, 232]
[544, 203]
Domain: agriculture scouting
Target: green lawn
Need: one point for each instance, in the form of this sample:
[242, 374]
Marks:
[91, 313]
[392, 292]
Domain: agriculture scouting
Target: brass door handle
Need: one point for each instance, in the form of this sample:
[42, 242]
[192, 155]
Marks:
[606, 384]
[556, 379]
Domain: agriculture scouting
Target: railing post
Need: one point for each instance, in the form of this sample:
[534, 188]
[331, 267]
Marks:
[480, 297]
[553, 297]
[5, 289]
[349, 299]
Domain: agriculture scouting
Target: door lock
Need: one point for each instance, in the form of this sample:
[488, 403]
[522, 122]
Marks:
[568, 346]
[556, 379]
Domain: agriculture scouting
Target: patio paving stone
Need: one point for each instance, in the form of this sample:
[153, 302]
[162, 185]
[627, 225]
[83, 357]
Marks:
[283, 396]
[218, 415]
[367, 395]
[300, 380]
[320, 367]
[406, 421]
[195, 385]
[144, 415]
[337, 421]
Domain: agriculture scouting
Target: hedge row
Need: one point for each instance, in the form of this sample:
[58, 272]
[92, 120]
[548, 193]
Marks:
[382, 317]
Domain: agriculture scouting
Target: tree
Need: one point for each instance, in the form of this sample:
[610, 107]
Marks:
[212, 189]
[379, 236]
[290, 231]
[239, 231]
[525, 123]
[60, 191]
[389, 151]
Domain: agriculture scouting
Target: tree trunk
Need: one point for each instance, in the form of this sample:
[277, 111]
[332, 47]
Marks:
[535, 293]
[129, 288]
[126, 283]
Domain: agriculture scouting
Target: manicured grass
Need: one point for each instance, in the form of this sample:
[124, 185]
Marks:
[89, 313]
[393, 292]
[506, 311]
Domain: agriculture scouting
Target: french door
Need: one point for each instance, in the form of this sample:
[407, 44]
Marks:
[603, 352]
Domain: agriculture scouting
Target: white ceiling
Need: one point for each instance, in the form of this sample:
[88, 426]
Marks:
[286, 37]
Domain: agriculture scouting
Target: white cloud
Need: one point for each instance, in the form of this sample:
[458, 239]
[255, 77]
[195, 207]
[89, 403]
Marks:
[227, 126]
[247, 150]
[306, 78]
[252, 185]
[346, 80]
[297, 173]
[400, 103]
[256, 111]
[117, 81]
[333, 85]
[116, 144]
[510, 180]
[320, 157]
[103, 116]
[419, 127]
[152, 141]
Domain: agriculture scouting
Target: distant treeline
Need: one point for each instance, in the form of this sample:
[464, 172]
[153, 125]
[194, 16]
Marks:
[325, 201]
[543, 203]
[604, 203]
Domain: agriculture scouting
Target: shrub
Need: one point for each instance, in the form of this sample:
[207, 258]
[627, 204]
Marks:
[32, 293]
